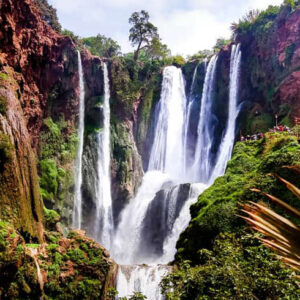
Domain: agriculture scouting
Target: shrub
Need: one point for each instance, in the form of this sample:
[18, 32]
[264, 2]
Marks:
[3, 105]
[49, 14]
[237, 267]
[51, 217]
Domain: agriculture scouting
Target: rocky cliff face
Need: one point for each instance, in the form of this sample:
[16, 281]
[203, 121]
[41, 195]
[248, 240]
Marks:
[38, 139]
[270, 69]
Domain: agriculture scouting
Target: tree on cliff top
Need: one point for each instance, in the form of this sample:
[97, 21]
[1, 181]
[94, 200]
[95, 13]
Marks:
[142, 31]
[102, 46]
[49, 14]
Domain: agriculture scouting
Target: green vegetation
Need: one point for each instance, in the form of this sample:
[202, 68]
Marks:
[102, 46]
[237, 267]
[280, 234]
[5, 150]
[142, 32]
[221, 42]
[256, 21]
[58, 145]
[223, 257]
[135, 296]
[49, 14]
[73, 268]
[3, 77]
[51, 217]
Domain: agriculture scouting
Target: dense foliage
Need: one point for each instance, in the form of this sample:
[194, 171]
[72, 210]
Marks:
[261, 21]
[73, 267]
[142, 31]
[102, 46]
[49, 14]
[216, 243]
[58, 144]
[237, 267]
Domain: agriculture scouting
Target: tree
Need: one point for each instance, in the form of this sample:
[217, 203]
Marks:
[221, 42]
[102, 46]
[142, 31]
[49, 14]
[158, 50]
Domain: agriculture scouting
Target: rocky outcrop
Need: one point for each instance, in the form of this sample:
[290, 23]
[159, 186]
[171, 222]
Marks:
[20, 199]
[70, 267]
[270, 69]
[127, 169]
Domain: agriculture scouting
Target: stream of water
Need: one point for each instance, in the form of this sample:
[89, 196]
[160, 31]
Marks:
[77, 209]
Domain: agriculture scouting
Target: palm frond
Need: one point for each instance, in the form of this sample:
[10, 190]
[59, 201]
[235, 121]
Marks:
[280, 234]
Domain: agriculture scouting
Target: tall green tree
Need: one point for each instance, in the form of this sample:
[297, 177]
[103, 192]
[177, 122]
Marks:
[142, 31]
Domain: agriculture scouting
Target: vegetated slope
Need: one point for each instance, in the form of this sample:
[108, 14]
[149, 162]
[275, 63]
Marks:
[217, 254]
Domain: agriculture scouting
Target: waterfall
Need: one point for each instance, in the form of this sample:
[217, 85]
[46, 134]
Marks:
[145, 279]
[162, 202]
[128, 233]
[104, 219]
[227, 143]
[151, 223]
[181, 223]
[167, 150]
[77, 209]
[202, 165]
[187, 121]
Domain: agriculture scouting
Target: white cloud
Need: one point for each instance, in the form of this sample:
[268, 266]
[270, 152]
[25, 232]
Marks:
[187, 32]
[187, 26]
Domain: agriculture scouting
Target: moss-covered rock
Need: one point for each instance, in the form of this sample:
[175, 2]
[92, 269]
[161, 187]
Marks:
[70, 268]
[216, 209]
[58, 147]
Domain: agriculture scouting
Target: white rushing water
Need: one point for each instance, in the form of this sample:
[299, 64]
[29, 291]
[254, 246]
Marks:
[128, 234]
[181, 223]
[145, 279]
[202, 166]
[103, 230]
[187, 122]
[77, 209]
[165, 169]
[227, 143]
[167, 150]
[151, 223]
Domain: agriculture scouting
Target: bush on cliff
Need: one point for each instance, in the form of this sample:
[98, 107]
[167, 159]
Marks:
[102, 46]
[49, 14]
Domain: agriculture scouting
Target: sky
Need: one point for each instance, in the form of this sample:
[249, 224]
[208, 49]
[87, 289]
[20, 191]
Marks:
[186, 26]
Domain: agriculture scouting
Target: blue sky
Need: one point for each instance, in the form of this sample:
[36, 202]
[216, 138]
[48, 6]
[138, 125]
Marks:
[186, 26]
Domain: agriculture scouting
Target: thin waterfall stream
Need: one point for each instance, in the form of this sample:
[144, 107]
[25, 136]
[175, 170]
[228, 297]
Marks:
[103, 229]
[225, 149]
[77, 209]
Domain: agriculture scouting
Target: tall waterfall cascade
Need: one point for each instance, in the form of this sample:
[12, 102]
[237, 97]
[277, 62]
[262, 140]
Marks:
[201, 168]
[168, 146]
[159, 199]
[144, 241]
[103, 226]
[77, 209]
[161, 206]
[227, 143]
